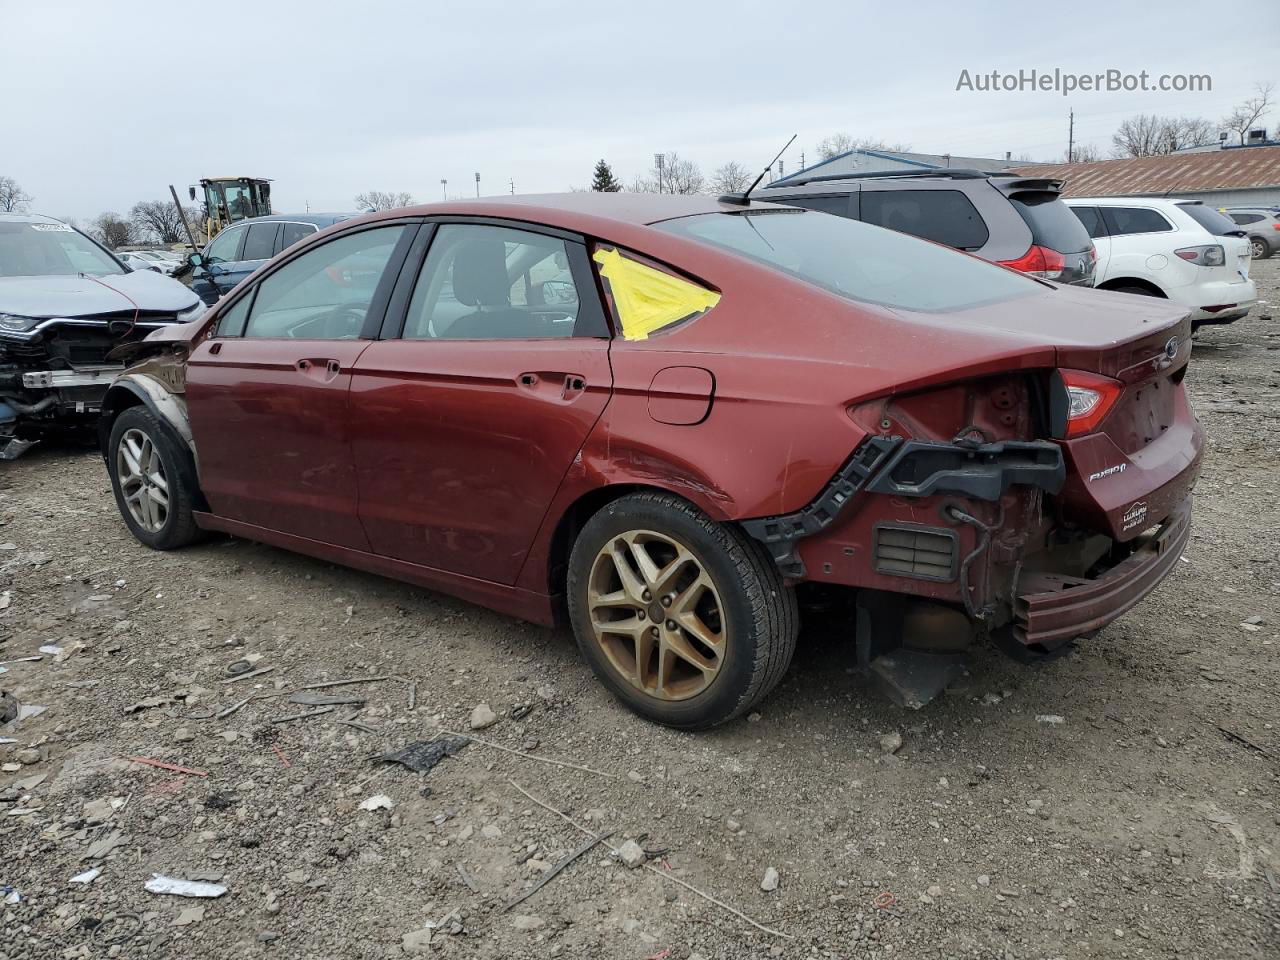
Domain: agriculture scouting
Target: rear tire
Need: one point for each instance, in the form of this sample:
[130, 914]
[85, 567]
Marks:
[685, 620]
[1258, 248]
[154, 480]
[1140, 291]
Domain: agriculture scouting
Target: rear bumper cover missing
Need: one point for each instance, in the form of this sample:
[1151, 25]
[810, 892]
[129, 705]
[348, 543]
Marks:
[1058, 609]
[912, 468]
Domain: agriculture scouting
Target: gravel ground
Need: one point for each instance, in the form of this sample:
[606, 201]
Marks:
[1123, 801]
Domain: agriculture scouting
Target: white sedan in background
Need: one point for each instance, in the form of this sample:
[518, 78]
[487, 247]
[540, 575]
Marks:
[1177, 249]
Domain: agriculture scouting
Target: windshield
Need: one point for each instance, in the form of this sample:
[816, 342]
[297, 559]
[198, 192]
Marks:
[1212, 220]
[51, 250]
[856, 260]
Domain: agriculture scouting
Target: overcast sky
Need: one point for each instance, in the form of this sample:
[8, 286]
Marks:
[108, 103]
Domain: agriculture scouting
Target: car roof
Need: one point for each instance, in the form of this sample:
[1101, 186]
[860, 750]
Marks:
[316, 219]
[28, 218]
[582, 211]
[1130, 201]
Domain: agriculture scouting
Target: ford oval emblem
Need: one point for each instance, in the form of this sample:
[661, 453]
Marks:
[1171, 348]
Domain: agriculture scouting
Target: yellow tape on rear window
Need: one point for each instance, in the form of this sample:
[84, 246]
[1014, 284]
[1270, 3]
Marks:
[647, 299]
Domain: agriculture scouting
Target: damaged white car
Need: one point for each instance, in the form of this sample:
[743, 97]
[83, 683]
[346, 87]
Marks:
[65, 303]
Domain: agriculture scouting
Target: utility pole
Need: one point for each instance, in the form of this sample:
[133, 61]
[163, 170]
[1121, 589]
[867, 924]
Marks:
[513, 187]
[477, 184]
[1071, 135]
[658, 160]
[444, 189]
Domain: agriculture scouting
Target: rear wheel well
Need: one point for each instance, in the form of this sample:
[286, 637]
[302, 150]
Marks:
[1121, 283]
[572, 522]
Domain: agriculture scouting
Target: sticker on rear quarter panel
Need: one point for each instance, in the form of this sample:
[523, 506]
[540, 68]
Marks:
[647, 300]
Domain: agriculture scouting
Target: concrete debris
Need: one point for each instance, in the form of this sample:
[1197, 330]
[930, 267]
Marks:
[631, 854]
[770, 881]
[87, 877]
[1050, 718]
[482, 717]
[379, 801]
[159, 883]
[891, 742]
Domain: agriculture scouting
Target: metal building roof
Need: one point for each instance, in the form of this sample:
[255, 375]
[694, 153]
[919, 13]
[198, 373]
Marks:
[1235, 169]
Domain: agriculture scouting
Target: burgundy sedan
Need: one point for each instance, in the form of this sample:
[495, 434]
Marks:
[673, 419]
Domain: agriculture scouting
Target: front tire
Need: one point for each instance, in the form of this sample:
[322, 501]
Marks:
[153, 480]
[685, 620]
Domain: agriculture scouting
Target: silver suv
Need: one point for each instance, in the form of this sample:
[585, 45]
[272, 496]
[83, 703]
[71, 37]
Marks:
[1019, 222]
[1263, 226]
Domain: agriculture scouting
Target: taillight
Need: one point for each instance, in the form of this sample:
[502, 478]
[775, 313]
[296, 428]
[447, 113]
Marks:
[1209, 255]
[1044, 262]
[1090, 398]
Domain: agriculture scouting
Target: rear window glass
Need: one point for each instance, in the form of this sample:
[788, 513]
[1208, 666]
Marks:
[1126, 220]
[856, 260]
[944, 216]
[1243, 218]
[260, 242]
[1091, 217]
[1211, 220]
[1052, 223]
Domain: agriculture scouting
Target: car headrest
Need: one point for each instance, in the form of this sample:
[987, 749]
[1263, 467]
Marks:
[480, 273]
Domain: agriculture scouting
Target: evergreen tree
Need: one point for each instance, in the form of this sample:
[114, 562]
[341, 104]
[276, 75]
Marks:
[603, 181]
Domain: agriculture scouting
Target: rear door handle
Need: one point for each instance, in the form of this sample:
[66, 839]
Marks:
[323, 369]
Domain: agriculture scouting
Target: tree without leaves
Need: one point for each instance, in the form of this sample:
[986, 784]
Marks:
[839, 143]
[112, 230]
[1249, 114]
[731, 177]
[159, 220]
[1083, 153]
[603, 180]
[13, 199]
[380, 200]
[678, 176]
[1149, 135]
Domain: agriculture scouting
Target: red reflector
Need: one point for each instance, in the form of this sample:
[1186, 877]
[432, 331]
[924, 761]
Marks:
[1090, 398]
[1187, 254]
[1039, 262]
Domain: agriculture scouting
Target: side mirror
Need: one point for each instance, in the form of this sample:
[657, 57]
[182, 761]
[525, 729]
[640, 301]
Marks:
[196, 260]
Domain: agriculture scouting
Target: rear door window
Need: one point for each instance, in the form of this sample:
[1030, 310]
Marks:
[1051, 222]
[1243, 218]
[293, 232]
[1091, 217]
[944, 216]
[1122, 221]
[261, 241]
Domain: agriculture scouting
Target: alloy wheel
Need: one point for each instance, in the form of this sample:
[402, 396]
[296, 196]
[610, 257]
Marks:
[1258, 248]
[142, 480]
[656, 614]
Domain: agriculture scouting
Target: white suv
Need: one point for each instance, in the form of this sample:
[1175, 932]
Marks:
[1178, 249]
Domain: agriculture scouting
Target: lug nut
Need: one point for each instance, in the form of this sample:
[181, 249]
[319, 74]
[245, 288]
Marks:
[640, 614]
[666, 601]
[654, 631]
[671, 624]
[646, 596]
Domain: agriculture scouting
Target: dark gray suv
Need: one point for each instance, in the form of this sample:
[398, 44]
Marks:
[1019, 222]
